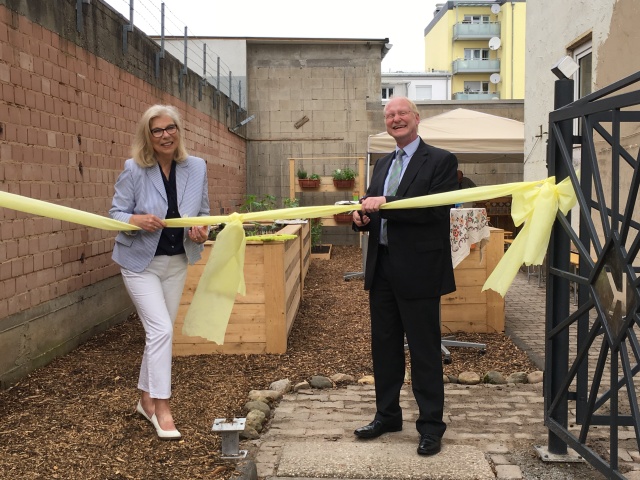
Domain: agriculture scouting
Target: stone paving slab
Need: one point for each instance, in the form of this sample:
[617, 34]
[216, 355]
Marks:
[367, 460]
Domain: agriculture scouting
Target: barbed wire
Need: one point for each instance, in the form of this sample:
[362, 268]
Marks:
[147, 16]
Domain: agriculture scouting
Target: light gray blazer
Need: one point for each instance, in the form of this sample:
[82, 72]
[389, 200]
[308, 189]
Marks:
[141, 190]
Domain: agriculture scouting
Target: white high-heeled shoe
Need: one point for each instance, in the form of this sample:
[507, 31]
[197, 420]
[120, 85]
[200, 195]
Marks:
[164, 434]
[141, 411]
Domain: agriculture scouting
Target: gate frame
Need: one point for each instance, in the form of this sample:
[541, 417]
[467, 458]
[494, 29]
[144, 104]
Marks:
[601, 106]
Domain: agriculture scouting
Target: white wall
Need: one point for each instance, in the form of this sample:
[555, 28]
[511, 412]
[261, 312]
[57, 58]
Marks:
[552, 25]
[405, 85]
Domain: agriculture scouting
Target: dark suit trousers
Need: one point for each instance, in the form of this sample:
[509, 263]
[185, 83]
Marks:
[391, 317]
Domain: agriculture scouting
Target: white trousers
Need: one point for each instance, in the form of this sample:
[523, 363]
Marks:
[156, 293]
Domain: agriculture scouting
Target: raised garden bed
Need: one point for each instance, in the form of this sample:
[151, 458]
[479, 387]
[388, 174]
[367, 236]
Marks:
[260, 322]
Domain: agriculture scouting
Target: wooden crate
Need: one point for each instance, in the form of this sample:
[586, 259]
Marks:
[468, 309]
[260, 322]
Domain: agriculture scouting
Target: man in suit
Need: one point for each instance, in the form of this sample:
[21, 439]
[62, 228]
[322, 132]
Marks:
[408, 269]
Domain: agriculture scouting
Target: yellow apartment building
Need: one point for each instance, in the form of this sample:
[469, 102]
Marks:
[482, 45]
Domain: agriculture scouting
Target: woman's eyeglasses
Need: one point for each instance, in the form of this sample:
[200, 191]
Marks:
[158, 132]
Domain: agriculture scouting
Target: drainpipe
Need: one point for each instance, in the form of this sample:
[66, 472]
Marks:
[512, 46]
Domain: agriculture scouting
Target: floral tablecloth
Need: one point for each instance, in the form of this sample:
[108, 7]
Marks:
[468, 226]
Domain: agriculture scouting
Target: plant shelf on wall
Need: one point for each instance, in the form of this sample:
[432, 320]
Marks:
[346, 180]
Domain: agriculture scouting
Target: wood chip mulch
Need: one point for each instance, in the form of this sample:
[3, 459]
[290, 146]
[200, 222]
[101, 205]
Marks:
[75, 418]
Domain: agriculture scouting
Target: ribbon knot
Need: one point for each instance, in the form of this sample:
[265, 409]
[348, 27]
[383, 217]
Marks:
[537, 208]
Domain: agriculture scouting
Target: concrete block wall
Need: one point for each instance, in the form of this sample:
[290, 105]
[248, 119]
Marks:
[69, 103]
[335, 85]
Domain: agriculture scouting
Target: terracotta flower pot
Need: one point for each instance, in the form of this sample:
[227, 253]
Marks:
[343, 217]
[309, 183]
[343, 183]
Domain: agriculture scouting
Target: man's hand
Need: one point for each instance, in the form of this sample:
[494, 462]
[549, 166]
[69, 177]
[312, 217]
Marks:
[360, 219]
[372, 204]
[367, 205]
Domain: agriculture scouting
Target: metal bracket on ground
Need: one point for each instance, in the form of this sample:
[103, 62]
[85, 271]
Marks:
[230, 432]
[570, 457]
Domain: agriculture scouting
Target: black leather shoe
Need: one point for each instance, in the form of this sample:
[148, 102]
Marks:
[375, 429]
[429, 444]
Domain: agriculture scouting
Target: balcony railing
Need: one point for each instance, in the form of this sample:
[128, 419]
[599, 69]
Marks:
[476, 96]
[476, 31]
[475, 66]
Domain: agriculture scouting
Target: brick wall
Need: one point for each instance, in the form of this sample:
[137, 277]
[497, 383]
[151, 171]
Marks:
[69, 103]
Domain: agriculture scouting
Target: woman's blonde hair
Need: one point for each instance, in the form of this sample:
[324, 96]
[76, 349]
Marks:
[142, 148]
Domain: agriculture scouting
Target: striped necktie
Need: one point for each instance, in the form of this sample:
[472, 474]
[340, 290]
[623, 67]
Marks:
[395, 173]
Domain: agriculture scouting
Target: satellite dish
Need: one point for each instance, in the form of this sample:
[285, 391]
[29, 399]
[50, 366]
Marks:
[494, 43]
[495, 8]
[494, 78]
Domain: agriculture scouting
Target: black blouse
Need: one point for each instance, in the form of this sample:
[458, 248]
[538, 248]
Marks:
[171, 238]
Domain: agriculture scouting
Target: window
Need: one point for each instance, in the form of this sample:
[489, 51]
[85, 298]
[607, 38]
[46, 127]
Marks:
[387, 93]
[423, 92]
[476, 87]
[476, 54]
[476, 19]
[582, 78]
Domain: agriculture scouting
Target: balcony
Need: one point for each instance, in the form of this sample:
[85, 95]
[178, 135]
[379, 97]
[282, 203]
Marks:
[475, 66]
[476, 96]
[476, 31]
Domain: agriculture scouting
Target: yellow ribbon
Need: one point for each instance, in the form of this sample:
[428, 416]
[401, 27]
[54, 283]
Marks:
[59, 212]
[537, 209]
[533, 203]
[222, 278]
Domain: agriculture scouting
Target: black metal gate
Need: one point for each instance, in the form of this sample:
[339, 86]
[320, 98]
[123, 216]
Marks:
[593, 291]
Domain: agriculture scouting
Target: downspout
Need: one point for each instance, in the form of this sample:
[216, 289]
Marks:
[453, 47]
[512, 44]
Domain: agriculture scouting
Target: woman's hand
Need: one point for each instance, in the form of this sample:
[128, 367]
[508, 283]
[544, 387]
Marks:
[147, 222]
[199, 234]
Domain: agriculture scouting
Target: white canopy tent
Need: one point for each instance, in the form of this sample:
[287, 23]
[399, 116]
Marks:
[474, 137]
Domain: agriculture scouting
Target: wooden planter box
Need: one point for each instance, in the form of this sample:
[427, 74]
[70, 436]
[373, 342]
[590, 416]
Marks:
[323, 252]
[468, 309]
[260, 322]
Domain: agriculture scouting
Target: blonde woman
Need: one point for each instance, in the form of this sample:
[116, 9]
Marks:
[161, 181]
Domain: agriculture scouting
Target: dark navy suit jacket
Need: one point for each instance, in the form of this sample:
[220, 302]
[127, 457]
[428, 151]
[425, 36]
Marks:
[418, 239]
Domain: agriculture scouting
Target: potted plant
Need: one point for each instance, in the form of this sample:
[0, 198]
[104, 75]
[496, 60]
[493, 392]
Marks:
[310, 181]
[344, 177]
[345, 217]
[252, 203]
[318, 250]
[290, 202]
